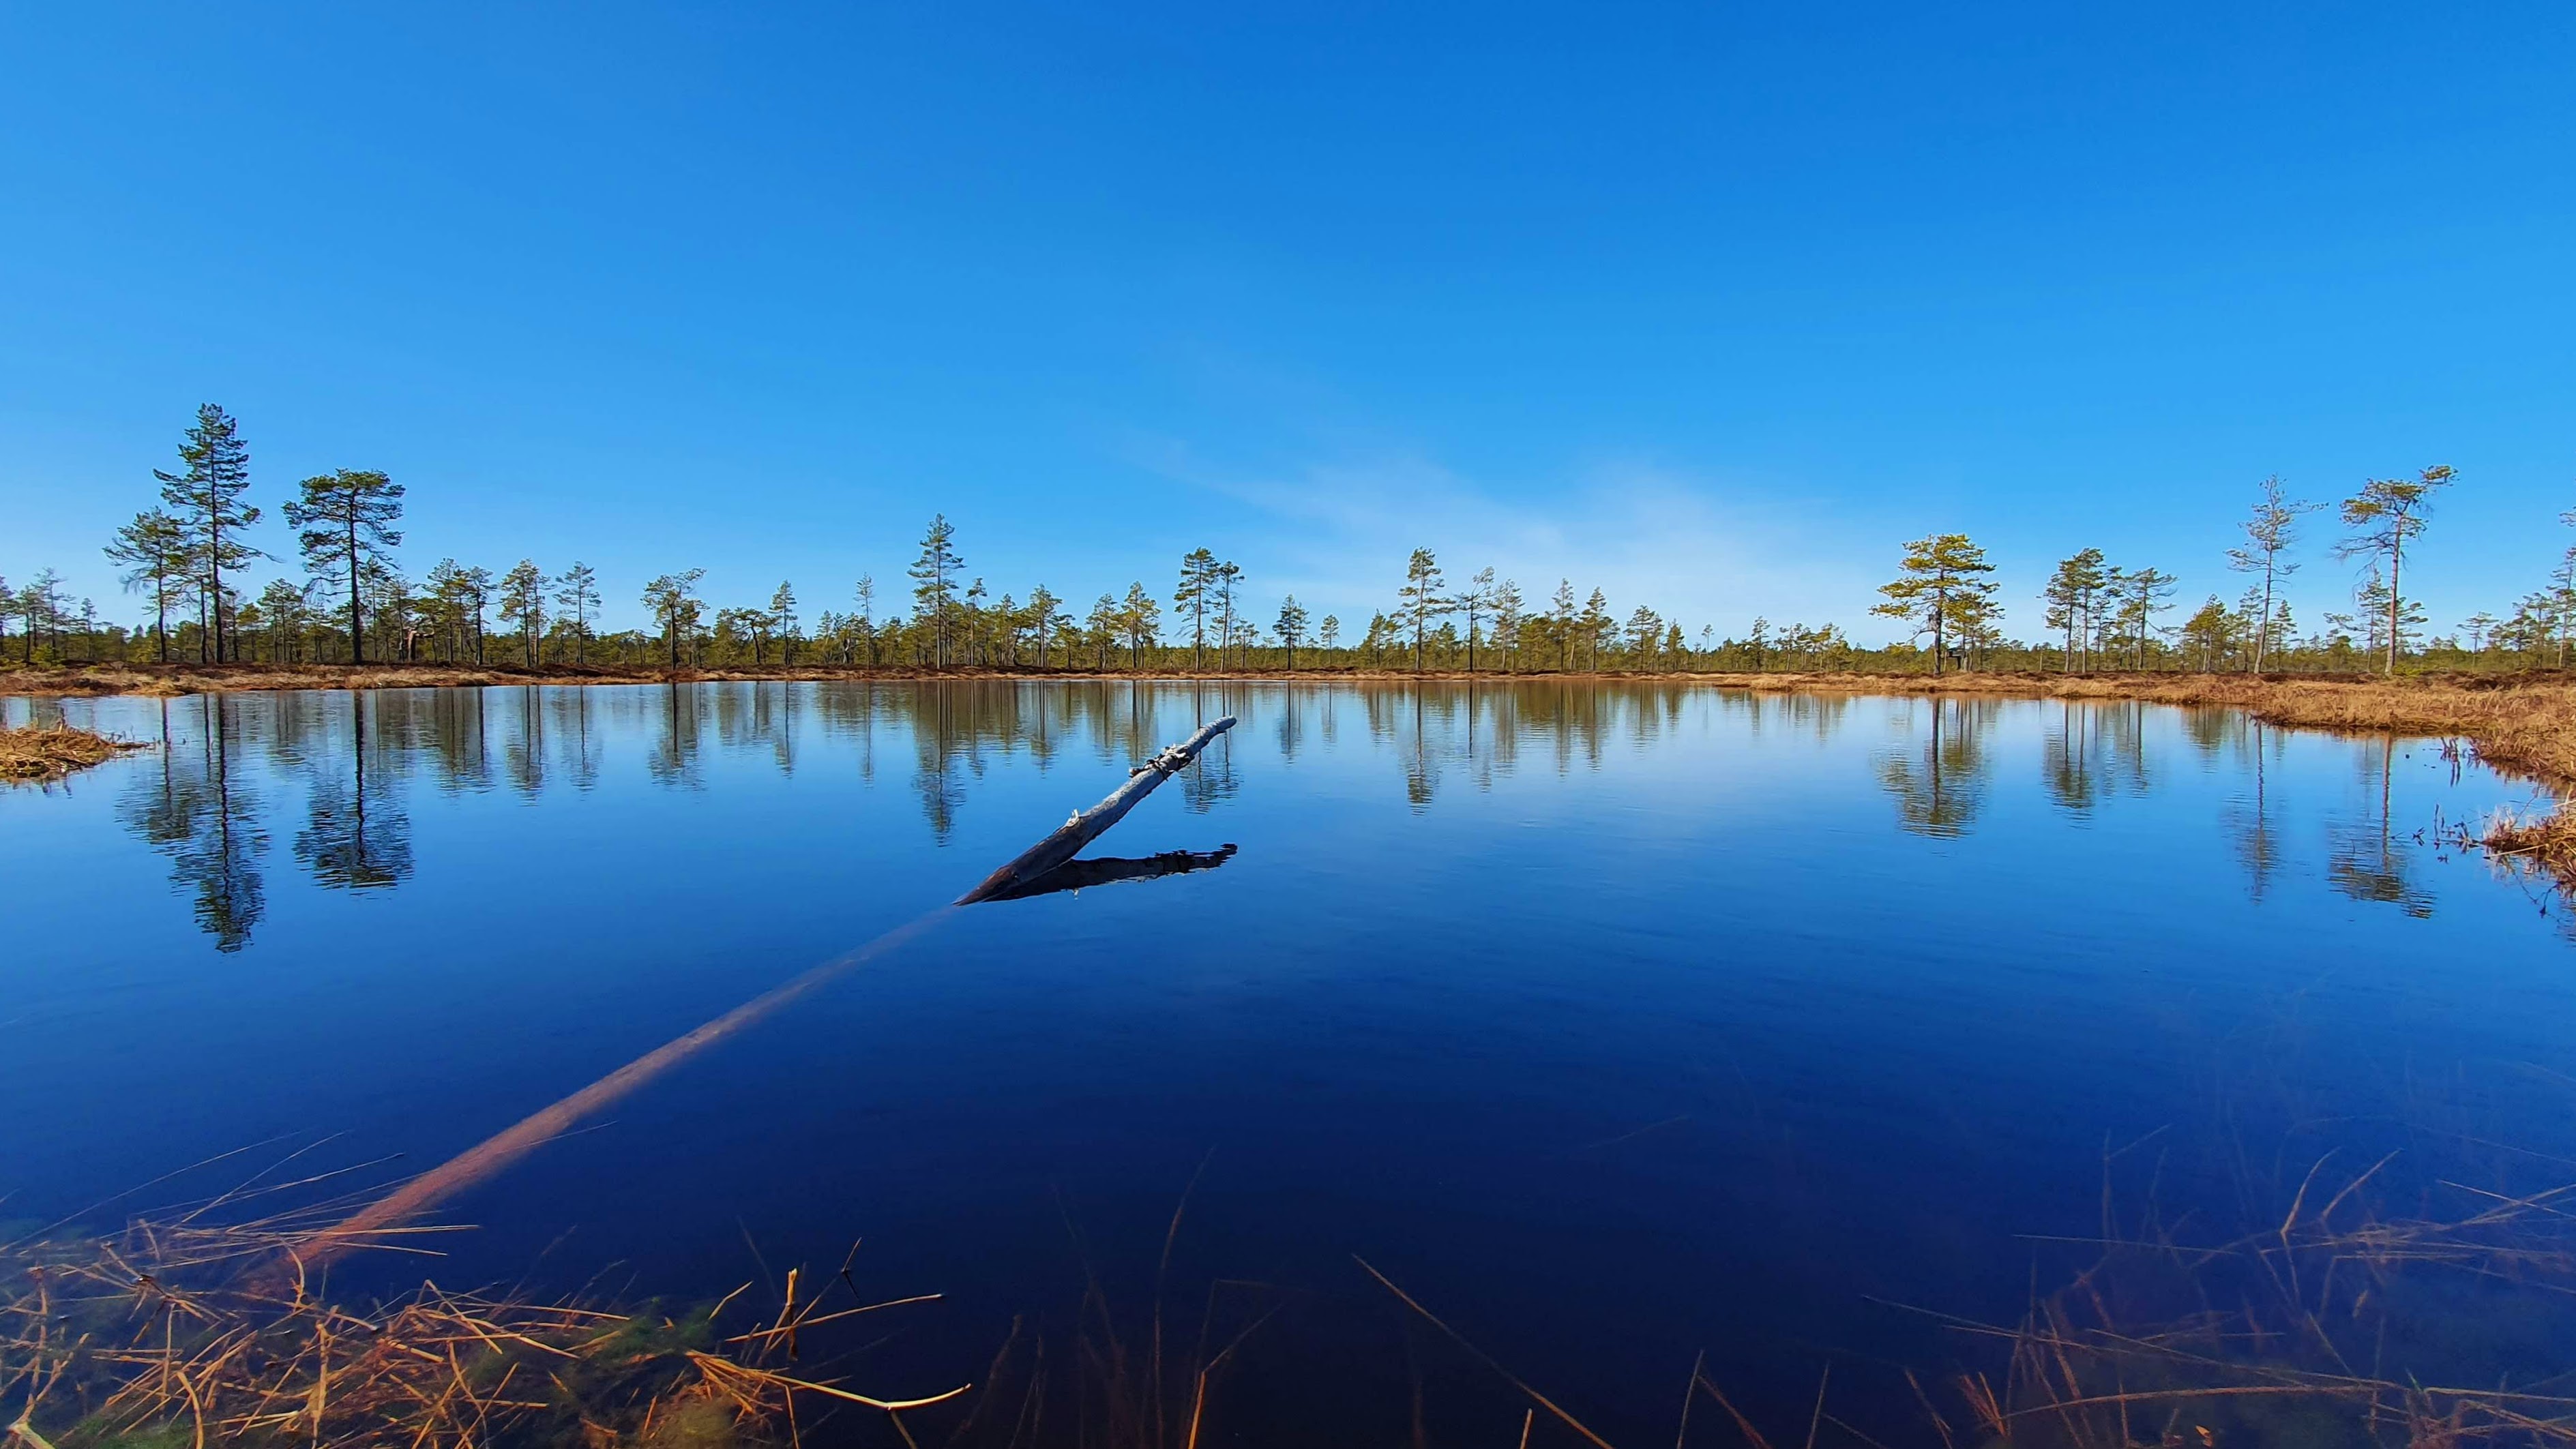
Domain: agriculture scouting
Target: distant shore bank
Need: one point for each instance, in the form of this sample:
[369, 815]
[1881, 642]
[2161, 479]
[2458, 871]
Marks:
[165, 680]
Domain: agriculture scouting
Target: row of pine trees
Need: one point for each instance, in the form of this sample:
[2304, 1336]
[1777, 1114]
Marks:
[189, 558]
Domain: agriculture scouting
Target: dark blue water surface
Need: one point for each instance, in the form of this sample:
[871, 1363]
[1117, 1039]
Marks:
[1614, 1023]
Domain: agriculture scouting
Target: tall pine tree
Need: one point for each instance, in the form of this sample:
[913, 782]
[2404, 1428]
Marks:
[207, 496]
[347, 522]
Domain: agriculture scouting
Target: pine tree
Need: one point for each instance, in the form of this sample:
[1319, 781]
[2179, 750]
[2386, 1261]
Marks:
[1560, 618]
[975, 624]
[1101, 629]
[207, 494]
[1507, 621]
[40, 605]
[1592, 626]
[2269, 533]
[282, 607]
[1043, 619]
[154, 550]
[523, 602]
[1936, 583]
[1227, 578]
[782, 617]
[1419, 599]
[2209, 630]
[1140, 618]
[1473, 601]
[2069, 598]
[866, 595]
[347, 520]
[474, 592]
[672, 600]
[1198, 577]
[1291, 628]
[1644, 630]
[2388, 512]
[2144, 595]
[578, 593]
[934, 584]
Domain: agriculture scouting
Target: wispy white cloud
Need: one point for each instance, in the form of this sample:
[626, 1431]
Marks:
[1698, 549]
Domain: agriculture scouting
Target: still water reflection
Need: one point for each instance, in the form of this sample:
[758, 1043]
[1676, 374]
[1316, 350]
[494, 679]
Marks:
[1622, 1021]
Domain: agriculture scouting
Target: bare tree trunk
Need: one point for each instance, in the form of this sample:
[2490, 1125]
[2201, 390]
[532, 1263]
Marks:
[2396, 556]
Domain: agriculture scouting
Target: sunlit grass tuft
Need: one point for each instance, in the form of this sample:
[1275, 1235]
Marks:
[188, 1333]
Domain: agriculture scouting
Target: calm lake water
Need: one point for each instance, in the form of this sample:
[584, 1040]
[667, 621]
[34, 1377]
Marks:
[1614, 1023]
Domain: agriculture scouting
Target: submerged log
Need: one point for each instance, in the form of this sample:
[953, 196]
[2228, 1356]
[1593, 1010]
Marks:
[1085, 825]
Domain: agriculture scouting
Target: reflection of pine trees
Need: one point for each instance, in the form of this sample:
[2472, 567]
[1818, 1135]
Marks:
[2124, 738]
[2367, 861]
[1941, 783]
[2066, 759]
[2249, 821]
[571, 709]
[1211, 778]
[456, 720]
[1819, 715]
[1440, 729]
[1293, 706]
[759, 714]
[163, 808]
[957, 727]
[2095, 749]
[523, 755]
[673, 761]
[200, 814]
[356, 836]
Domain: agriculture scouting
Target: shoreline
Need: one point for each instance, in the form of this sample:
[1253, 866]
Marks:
[165, 680]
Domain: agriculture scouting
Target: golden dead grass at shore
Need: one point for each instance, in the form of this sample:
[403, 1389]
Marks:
[187, 1333]
[178, 1331]
[41, 754]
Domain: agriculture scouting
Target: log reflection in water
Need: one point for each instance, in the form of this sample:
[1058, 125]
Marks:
[1076, 875]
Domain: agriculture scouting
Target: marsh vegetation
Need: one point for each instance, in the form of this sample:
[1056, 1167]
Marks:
[39, 754]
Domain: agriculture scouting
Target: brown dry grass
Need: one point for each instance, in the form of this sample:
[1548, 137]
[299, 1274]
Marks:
[42, 754]
[158, 1335]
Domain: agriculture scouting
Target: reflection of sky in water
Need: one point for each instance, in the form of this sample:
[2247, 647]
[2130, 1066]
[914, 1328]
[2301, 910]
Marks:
[1621, 1021]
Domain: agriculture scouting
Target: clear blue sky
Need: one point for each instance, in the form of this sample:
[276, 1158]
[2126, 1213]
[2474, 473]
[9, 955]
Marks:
[1711, 305]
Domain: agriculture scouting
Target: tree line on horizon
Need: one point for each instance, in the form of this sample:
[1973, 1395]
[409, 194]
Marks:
[188, 560]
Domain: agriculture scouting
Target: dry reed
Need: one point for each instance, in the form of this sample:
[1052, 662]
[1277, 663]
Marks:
[2336, 1325]
[168, 1333]
[41, 754]
[2341, 1324]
